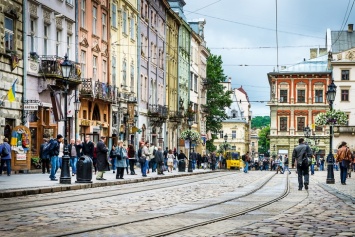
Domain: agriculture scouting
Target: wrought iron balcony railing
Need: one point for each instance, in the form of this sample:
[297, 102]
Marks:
[99, 90]
[157, 111]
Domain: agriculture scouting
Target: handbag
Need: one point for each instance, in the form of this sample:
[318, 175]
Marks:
[345, 163]
[142, 159]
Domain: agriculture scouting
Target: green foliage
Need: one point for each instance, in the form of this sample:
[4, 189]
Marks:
[260, 121]
[217, 98]
[264, 142]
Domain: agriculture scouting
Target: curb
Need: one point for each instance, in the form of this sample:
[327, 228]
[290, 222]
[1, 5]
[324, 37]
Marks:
[75, 186]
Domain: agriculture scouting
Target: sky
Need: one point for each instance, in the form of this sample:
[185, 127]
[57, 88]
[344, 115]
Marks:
[243, 32]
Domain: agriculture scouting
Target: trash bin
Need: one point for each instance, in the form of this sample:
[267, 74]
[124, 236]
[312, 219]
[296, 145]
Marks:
[84, 170]
[182, 165]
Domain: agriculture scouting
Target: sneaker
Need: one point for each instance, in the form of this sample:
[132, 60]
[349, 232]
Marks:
[54, 179]
[306, 186]
[299, 189]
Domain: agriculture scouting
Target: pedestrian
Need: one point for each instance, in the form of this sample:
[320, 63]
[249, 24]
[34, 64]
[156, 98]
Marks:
[131, 153]
[301, 154]
[145, 158]
[94, 158]
[181, 158]
[199, 160]
[74, 153]
[121, 163]
[61, 154]
[313, 163]
[245, 159]
[113, 158]
[53, 153]
[88, 148]
[321, 161]
[205, 161]
[159, 159]
[102, 163]
[152, 161]
[5, 151]
[193, 157]
[170, 162]
[45, 158]
[278, 163]
[125, 156]
[343, 158]
[286, 165]
[213, 160]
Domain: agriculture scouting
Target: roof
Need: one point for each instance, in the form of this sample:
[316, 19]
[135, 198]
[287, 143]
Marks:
[319, 64]
[342, 40]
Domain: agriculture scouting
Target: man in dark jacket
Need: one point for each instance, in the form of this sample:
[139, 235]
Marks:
[301, 153]
[44, 158]
[53, 153]
[159, 158]
[102, 163]
[88, 147]
[6, 158]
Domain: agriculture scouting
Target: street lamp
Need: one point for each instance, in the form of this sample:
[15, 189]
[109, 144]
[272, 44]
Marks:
[77, 105]
[330, 158]
[65, 177]
[225, 145]
[190, 122]
[307, 132]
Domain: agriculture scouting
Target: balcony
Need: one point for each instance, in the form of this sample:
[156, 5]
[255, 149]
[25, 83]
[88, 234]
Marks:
[176, 116]
[50, 68]
[98, 90]
[157, 115]
[342, 130]
[204, 109]
[204, 84]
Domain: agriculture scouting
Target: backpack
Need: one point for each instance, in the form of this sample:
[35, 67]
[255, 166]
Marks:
[154, 151]
[48, 151]
[4, 151]
[140, 152]
[243, 157]
[131, 153]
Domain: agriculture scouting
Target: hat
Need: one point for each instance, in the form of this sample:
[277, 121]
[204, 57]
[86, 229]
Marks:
[59, 136]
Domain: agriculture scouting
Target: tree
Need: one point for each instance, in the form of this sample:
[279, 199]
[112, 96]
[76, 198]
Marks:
[260, 121]
[217, 98]
[264, 142]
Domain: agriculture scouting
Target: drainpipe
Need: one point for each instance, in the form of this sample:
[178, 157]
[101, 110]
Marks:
[139, 48]
[76, 60]
[24, 54]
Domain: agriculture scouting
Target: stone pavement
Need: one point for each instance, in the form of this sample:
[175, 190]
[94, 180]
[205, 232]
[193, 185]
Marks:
[28, 184]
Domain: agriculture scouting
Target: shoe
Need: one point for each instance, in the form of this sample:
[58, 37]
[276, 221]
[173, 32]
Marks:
[144, 175]
[54, 179]
[72, 174]
[306, 186]
[100, 179]
[121, 178]
[299, 189]
[113, 172]
[43, 172]
[9, 175]
[289, 172]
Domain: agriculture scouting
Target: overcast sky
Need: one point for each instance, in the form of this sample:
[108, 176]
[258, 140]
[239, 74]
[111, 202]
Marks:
[237, 29]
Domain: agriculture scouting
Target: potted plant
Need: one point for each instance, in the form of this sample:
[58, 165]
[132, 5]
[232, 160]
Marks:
[190, 134]
[331, 117]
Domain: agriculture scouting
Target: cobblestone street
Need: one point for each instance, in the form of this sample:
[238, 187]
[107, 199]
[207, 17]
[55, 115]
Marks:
[255, 204]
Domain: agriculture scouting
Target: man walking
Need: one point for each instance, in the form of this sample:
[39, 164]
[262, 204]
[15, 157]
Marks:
[245, 159]
[5, 151]
[159, 158]
[300, 154]
[45, 159]
[102, 163]
[286, 165]
[145, 156]
[53, 153]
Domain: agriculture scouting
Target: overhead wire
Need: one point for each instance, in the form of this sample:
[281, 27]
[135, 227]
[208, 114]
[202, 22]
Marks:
[344, 23]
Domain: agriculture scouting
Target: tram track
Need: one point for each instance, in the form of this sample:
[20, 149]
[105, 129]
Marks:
[177, 230]
[64, 199]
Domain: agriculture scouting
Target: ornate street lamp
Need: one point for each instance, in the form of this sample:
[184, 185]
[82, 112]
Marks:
[65, 177]
[330, 158]
[190, 122]
[225, 145]
[307, 132]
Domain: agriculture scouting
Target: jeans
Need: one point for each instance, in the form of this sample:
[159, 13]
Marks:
[321, 167]
[73, 160]
[131, 165]
[60, 161]
[144, 167]
[336, 167]
[246, 166]
[343, 173]
[286, 168]
[193, 164]
[113, 162]
[154, 164]
[302, 171]
[8, 166]
[312, 169]
[54, 166]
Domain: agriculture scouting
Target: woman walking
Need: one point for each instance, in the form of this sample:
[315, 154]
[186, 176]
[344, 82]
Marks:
[113, 158]
[121, 161]
[170, 160]
[132, 159]
[343, 157]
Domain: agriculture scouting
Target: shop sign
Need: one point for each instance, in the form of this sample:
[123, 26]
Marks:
[30, 107]
[20, 156]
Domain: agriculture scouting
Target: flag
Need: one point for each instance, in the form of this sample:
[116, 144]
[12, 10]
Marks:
[11, 95]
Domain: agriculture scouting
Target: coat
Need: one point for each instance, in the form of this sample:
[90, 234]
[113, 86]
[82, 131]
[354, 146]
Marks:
[6, 146]
[299, 152]
[102, 163]
[88, 149]
[159, 157]
[121, 163]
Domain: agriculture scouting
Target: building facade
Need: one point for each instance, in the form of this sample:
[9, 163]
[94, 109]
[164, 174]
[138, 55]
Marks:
[297, 95]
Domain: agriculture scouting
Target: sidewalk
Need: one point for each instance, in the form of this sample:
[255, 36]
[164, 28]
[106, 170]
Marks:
[28, 184]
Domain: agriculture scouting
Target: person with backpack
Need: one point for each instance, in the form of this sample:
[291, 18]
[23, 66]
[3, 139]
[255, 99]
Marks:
[44, 157]
[343, 158]
[245, 159]
[113, 157]
[5, 150]
[53, 150]
[131, 153]
[301, 154]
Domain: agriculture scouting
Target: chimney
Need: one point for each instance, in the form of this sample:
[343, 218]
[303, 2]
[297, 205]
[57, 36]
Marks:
[313, 53]
[350, 28]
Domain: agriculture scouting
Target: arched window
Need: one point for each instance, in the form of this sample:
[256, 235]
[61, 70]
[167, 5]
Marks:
[96, 113]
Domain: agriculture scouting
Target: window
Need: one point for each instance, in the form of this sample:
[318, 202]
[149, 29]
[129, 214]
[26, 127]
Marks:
[283, 96]
[318, 96]
[132, 77]
[220, 134]
[301, 96]
[33, 27]
[132, 27]
[45, 39]
[94, 67]
[104, 70]
[57, 44]
[94, 20]
[300, 124]
[124, 73]
[68, 44]
[345, 75]
[283, 123]
[195, 110]
[318, 129]
[71, 2]
[83, 63]
[234, 134]
[114, 71]
[192, 81]
[9, 34]
[104, 27]
[113, 19]
[124, 22]
[83, 13]
[195, 83]
[344, 95]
